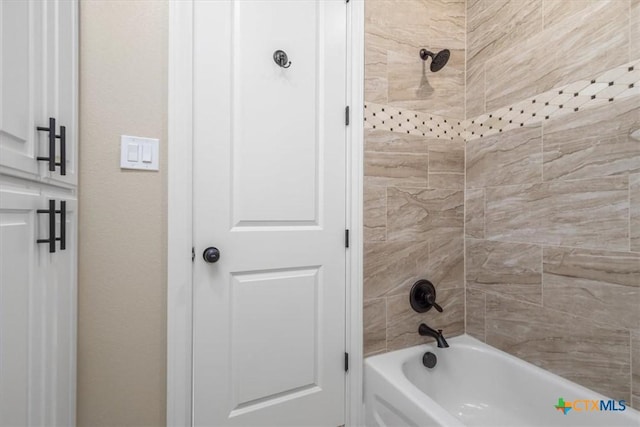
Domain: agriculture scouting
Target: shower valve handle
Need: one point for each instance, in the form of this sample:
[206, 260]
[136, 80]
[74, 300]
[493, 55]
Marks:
[423, 296]
[431, 300]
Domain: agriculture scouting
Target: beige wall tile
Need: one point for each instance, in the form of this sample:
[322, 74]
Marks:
[446, 156]
[634, 35]
[446, 262]
[510, 269]
[501, 24]
[475, 313]
[394, 142]
[417, 23]
[556, 11]
[392, 267]
[593, 142]
[403, 322]
[375, 213]
[395, 169]
[394, 33]
[375, 66]
[475, 90]
[474, 213]
[601, 286]
[583, 46]
[445, 180]
[596, 357]
[635, 369]
[634, 217]
[421, 215]
[412, 85]
[375, 326]
[589, 213]
[508, 158]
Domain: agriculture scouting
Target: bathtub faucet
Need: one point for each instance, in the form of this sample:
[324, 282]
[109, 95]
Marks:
[426, 331]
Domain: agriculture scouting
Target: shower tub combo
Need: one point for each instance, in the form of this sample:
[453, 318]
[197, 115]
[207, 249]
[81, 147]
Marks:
[474, 384]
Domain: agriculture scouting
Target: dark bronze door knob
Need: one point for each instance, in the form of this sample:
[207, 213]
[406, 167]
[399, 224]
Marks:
[211, 255]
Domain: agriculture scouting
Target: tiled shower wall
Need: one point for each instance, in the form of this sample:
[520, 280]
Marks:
[553, 207]
[414, 183]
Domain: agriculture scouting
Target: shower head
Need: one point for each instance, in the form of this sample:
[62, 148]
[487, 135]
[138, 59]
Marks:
[438, 60]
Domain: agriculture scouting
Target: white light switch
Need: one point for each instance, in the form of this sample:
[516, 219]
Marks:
[132, 152]
[139, 153]
[146, 153]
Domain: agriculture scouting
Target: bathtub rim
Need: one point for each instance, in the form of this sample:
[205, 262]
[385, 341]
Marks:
[390, 366]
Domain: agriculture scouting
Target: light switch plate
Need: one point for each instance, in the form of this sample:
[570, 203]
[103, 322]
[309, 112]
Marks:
[147, 153]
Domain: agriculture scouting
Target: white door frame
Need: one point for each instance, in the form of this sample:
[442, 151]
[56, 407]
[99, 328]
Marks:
[180, 224]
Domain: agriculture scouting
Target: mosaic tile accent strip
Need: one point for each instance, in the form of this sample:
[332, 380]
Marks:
[394, 119]
[617, 83]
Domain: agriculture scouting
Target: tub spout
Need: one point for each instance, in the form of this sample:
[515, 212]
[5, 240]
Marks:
[426, 331]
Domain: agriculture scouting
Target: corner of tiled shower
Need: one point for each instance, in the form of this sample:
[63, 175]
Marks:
[510, 179]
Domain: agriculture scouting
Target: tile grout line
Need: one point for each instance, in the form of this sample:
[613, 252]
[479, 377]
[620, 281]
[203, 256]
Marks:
[484, 298]
[631, 365]
[632, 254]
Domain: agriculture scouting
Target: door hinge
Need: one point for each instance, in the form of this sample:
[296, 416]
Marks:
[193, 254]
[346, 362]
[346, 238]
[346, 116]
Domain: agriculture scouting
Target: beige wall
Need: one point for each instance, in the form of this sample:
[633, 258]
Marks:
[414, 183]
[552, 233]
[122, 256]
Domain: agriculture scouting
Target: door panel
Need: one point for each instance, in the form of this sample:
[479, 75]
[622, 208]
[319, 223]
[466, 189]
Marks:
[261, 304]
[268, 152]
[269, 192]
[60, 296]
[61, 83]
[21, 73]
[20, 310]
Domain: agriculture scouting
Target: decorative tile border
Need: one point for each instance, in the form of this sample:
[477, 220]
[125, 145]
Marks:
[620, 82]
[385, 117]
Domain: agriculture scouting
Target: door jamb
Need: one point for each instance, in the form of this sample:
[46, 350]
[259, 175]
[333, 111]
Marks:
[180, 205]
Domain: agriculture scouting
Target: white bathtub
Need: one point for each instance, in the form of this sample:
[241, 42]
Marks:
[474, 384]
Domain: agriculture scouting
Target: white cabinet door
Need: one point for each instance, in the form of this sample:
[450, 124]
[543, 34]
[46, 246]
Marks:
[38, 81]
[21, 310]
[60, 329]
[37, 310]
[269, 193]
[22, 95]
[61, 52]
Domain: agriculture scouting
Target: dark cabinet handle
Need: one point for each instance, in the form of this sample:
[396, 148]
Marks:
[52, 226]
[63, 150]
[51, 158]
[63, 226]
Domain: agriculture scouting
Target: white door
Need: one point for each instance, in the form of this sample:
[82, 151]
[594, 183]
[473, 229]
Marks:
[269, 193]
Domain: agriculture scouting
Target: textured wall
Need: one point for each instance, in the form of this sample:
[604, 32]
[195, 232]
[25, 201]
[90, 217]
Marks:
[519, 48]
[395, 31]
[552, 207]
[122, 271]
[414, 184]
